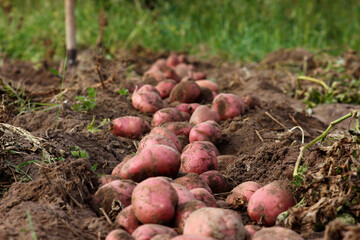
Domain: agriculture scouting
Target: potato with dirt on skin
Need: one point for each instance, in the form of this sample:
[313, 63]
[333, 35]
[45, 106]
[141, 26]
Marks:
[198, 157]
[185, 92]
[155, 139]
[191, 181]
[149, 102]
[202, 114]
[184, 194]
[148, 231]
[179, 128]
[276, 233]
[163, 236]
[187, 107]
[119, 234]
[203, 195]
[252, 229]
[251, 101]
[228, 105]
[154, 200]
[218, 223]
[120, 190]
[164, 87]
[192, 237]
[167, 133]
[184, 210]
[104, 179]
[116, 171]
[242, 192]
[153, 76]
[166, 115]
[216, 181]
[205, 131]
[148, 88]
[152, 161]
[208, 84]
[269, 201]
[129, 127]
[127, 219]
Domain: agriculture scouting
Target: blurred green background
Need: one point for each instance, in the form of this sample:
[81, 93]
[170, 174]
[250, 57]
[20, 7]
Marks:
[232, 29]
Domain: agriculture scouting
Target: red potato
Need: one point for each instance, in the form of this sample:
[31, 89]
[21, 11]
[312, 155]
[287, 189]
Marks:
[171, 74]
[133, 84]
[192, 237]
[116, 171]
[182, 58]
[198, 157]
[155, 139]
[169, 134]
[216, 181]
[147, 102]
[153, 76]
[148, 231]
[251, 101]
[107, 178]
[164, 87]
[172, 60]
[154, 200]
[202, 114]
[242, 192]
[198, 76]
[119, 234]
[228, 105]
[191, 181]
[166, 115]
[129, 127]
[127, 219]
[252, 229]
[183, 193]
[218, 223]
[276, 233]
[120, 190]
[184, 210]
[269, 201]
[185, 92]
[160, 64]
[206, 96]
[208, 84]
[186, 116]
[182, 70]
[162, 236]
[203, 195]
[179, 128]
[188, 107]
[155, 160]
[225, 160]
[148, 88]
[206, 131]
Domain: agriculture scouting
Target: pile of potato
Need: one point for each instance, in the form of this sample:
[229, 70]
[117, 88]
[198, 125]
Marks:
[166, 189]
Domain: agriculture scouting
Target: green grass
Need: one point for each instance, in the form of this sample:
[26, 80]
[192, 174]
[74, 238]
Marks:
[232, 29]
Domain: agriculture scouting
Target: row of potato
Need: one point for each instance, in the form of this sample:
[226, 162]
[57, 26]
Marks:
[167, 188]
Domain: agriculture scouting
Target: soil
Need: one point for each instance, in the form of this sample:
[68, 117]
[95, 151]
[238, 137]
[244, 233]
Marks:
[47, 190]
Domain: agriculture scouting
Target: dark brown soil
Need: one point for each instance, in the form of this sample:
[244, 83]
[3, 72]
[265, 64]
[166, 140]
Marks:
[58, 198]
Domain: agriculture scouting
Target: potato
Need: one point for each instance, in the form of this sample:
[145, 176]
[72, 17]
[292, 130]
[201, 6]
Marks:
[179, 128]
[120, 190]
[185, 92]
[216, 181]
[184, 195]
[184, 210]
[119, 234]
[203, 195]
[155, 139]
[198, 76]
[182, 58]
[116, 171]
[182, 70]
[202, 114]
[228, 105]
[222, 224]
[133, 84]
[154, 200]
[269, 201]
[206, 131]
[187, 107]
[147, 231]
[166, 115]
[191, 181]
[147, 102]
[163, 236]
[242, 192]
[172, 60]
[192, 237]
[129, 127]
[252, 229]
[225, 160]
[171, 74]
[155, 160]
[208, 84]
[160, 64]
[127, 219]
[186, 116]
[206, 96]
[107, 178]
[169, 134]
[198, 157]
[165, 87]
[148, 88]
[251, 101]
[153, 76]
[276, 233]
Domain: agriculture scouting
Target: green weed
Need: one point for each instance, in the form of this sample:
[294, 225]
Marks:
[123, 91]
[78, 153]
[299, 178]
[93, 129]
[86, 103]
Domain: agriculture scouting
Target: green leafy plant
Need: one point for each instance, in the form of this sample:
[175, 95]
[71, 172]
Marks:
[94, 167]
[86, 103]
[93, 129]
[79, 153]
[299, 178]
[123, 91]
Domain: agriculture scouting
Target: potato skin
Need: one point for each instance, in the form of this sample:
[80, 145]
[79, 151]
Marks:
[209, 84]
[147, 231]
[147, 102]
[166, 115]
[120, 190]
[155, 139]
[203, 195]
[216, 181]
[129, 126]
[198, 157]
[127, 219]
[192, 237]
[183, 193]
[206, 131]
[164, 87]
[218, 223]
[269, 201]
[193, 180]
[154, 200]
[169, 134]
[202, 114]
[119, 234]
[184, 210]
[243, 192]
[179, 128]
[154, 160]
[228, 105]
[276, 233]
[185, 92]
